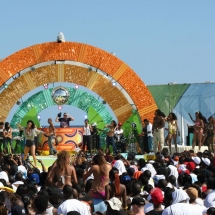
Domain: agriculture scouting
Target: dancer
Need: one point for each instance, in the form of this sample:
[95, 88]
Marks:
[51, 136]
[211, 133]
[2, 137]
[119, 138]
[118, 132]
[173, 130]
[62, 173]
[198, 129]
[87, 138]
[7, 133]
[100, 170]
[64, 121]
[158, 128]
[110, 135]
[29, 133]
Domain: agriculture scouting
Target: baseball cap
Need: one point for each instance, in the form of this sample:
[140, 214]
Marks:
[138, 201]
[197, 160]
[119, 124]
[192, 193]
[191, 166]
[34, 177]
[206, 161]
[18, 210]
[157, 196]
[114, 203]
[65, 114]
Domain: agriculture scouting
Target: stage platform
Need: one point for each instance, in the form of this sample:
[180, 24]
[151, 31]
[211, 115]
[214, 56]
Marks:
[187, 148]
[48, 160]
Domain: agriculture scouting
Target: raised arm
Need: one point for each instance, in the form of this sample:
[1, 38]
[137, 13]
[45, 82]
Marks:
[88, 173]
[42, 164]
[20, 127]
[57, 119]
[71, 118]
[39, 131]
[191, 117]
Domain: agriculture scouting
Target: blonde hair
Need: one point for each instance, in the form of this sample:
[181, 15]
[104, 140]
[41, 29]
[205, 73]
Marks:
[62, 159]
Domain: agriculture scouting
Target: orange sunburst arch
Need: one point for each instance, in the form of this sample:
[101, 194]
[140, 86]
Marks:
[86, 54]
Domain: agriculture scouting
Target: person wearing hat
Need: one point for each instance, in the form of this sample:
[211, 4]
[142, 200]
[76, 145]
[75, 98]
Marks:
[197, 161]
[138, 206]
[113, 206]
[64, 121]
[193, 194]
[157, 200]
[191, 166]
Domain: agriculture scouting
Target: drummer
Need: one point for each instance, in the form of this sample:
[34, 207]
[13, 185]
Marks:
[64, 121]
[118, 132]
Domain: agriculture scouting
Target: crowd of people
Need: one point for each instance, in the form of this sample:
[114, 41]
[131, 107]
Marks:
[108, 183]
[182, 184]
[203, 131]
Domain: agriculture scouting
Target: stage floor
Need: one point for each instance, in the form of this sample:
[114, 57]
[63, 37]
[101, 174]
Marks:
[187, 148]
[48, 160]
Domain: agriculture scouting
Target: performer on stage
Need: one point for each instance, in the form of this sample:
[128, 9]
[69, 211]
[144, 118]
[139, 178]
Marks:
[87, 135]
[158, 129]
[64, 121]
[198, 130]
[1, 137]
[29, 132]
[118, 132]
[119, 138]
[7, 133]
[110, 135]
[211, 133]
[51, 136]
[148, 134]
[173, 131]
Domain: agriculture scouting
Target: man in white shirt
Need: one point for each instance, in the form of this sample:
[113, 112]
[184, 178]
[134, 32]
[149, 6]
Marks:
[149, 134]
[118, 136]
[180, 205]
[71, 204]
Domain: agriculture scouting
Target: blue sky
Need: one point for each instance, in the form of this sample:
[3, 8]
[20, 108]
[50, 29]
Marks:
[162, 41]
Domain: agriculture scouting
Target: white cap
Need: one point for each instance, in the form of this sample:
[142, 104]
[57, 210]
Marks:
[197, 160]
[148, 207]
[206, 161]
[115, 203]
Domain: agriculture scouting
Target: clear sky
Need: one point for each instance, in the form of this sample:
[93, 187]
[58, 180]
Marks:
[162, 41]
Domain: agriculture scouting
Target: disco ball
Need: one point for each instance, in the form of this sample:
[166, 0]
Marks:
[60, 95]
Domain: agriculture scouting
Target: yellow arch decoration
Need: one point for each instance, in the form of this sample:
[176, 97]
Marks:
[71, 51]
